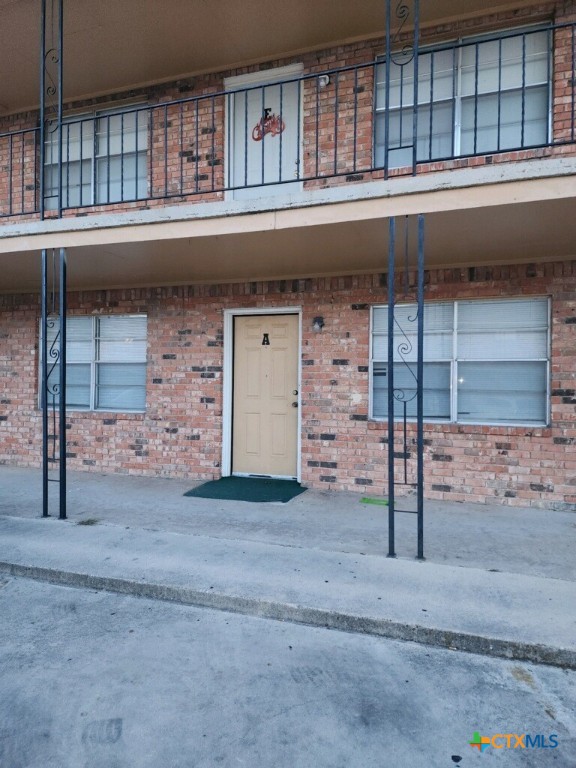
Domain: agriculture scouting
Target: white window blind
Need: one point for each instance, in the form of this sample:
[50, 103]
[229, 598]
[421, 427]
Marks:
[106, 362]
[502, 330]
[121, 366]
[484, 361]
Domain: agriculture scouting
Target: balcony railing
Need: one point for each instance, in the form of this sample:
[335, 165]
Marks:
[19, 172]
[508, 93]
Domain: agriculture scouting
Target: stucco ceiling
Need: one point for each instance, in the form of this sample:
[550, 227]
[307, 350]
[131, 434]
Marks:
[113, 45]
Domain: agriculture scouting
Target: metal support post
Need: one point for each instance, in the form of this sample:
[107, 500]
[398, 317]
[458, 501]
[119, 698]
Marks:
[53, 283]
[62, 400]
[420, 390]
[391, 302]
[44, 383]
[405, 374]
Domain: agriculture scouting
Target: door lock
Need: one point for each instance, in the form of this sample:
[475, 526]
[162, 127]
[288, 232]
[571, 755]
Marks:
[294, 391]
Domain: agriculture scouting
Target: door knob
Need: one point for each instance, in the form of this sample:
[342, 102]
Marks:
[294, 404]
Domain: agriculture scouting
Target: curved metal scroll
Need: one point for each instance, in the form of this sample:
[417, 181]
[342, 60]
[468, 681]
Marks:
[401, 51]
[405, 54]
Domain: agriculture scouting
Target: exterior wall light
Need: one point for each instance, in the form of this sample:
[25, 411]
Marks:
[318, 324]
[323, 81]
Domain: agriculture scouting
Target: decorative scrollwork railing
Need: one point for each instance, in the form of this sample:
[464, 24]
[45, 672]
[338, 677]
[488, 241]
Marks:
[405, 54]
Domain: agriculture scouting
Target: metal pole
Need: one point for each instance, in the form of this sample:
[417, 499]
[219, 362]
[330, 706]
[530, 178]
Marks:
[42, 107]
[391, 299]
[388, 64]
[51, 53]
[44, 267]
[60, 97]
[62, 402]
[44, 385]
[420, 390]
[416, 84]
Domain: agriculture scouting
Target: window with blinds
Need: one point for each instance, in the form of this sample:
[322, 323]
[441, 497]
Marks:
[105, 362]
[475, 96]
[485, 362]
[103, 159]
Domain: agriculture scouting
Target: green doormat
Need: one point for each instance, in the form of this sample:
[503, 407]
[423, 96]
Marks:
[248, 489]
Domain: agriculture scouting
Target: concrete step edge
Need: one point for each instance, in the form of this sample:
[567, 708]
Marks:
[317, 617]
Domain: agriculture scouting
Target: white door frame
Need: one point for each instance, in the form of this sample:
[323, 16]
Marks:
[263, 77]
[228, 375]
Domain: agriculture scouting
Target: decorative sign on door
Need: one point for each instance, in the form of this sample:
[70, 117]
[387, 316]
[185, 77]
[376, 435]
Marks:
[268, 123]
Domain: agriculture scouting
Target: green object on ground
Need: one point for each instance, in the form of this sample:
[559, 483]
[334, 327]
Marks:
[372, 500]
[260, 489]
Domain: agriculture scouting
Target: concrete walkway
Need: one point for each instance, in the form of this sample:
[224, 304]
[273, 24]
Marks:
[317, 560]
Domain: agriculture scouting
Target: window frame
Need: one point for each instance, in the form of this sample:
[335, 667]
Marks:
[97, 139]
[454, 360]
[94, 363]
[457, 45]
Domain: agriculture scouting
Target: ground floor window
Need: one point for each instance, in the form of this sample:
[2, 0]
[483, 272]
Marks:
[485, 362]
[106, 362]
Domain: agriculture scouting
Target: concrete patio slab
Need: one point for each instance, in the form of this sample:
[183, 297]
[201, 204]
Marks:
[535, 542]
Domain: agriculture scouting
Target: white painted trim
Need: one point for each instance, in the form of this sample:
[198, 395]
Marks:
[263, 77]
[227, 380]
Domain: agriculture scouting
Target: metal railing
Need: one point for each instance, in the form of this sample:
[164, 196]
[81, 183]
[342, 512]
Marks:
[501, 93]
[19, 172]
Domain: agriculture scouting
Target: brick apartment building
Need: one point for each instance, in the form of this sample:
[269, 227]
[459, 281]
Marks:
[225, 174]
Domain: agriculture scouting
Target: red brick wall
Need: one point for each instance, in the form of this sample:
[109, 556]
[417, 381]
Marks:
[19, 152]
[563, 113]
[181, 432]
[187, 142]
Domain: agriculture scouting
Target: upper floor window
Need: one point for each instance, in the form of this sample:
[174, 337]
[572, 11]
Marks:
[105, 362]
[476, 96]
[103, 159]
[485, 362]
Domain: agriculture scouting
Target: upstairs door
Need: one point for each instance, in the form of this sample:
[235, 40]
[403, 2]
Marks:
[265, 395]
[264, 133]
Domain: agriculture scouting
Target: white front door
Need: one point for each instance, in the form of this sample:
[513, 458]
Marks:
[265, 134]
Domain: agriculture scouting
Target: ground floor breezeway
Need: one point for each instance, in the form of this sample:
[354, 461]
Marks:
[163, 383]
[520, 540]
